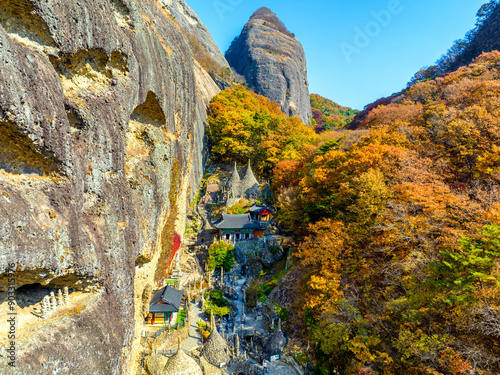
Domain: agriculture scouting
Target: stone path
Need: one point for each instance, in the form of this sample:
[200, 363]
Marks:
[250, 324]
[194, 340]
[205, 215]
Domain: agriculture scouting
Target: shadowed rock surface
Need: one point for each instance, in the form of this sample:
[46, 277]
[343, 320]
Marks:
[276, 342]
[273, 63]
[102, 145]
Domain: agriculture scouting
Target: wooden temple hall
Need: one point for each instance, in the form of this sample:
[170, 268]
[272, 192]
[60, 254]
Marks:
[164, 306]
[260, 212]
[234, 228]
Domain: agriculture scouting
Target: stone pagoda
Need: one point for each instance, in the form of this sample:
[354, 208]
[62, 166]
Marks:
[215, 350]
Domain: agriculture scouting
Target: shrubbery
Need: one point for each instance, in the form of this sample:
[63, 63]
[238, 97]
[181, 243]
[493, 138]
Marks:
[220, 254]
[217, 303]
[244, 125]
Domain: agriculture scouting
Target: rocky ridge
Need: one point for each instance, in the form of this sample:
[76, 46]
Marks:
[273, 63]
[192, 24]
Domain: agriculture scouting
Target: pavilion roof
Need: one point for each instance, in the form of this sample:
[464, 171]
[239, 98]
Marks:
[166, 299]
[237, 222]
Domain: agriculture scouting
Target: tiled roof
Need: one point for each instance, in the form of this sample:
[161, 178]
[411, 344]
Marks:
[258, 208]
[166, 299]
[237, 222]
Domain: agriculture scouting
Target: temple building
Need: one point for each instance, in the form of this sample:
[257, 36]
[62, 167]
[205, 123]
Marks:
[234, 228]
[260, 212]
[237, 188]
[164, 306]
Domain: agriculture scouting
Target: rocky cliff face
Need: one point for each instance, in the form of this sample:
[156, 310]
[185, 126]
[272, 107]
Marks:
[102, 114]
[192, 24]
[273, 63]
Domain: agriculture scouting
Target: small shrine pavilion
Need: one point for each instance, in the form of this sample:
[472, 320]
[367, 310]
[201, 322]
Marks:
[260, 212]
[164, 306]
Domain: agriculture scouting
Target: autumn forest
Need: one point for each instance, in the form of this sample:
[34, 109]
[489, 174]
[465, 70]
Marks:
[398, 222]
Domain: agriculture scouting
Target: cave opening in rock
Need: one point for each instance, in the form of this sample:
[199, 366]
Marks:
[31, 294]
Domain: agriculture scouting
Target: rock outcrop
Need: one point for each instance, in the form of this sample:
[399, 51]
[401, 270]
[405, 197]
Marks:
[102, 145]
[192, 24]
[273, 63]
[276, 342]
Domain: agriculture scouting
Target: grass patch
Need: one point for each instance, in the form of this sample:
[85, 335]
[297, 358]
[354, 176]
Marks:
[239, 208]
[301, 358]
[181, 317]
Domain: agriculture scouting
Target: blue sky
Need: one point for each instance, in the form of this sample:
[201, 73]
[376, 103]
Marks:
[357, 50]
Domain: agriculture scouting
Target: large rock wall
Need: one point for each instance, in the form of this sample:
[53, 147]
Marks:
[102, 146]
[273, 63]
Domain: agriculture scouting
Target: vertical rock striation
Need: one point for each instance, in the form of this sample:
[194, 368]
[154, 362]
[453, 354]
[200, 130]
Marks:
[273, 63]
[102, 145]
[192, 25]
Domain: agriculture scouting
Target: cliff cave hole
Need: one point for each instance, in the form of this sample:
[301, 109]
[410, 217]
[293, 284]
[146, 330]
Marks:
[122, 13]
[146, 126]
[21, 156]
[31, 294]
[90, 69]
[149, 112]
[24, 24]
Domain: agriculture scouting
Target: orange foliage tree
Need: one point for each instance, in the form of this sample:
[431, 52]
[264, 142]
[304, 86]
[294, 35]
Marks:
[377, 215]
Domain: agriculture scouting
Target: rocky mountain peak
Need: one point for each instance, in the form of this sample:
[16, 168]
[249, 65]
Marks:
[263, 12]
[270, 20]
[273, 63]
